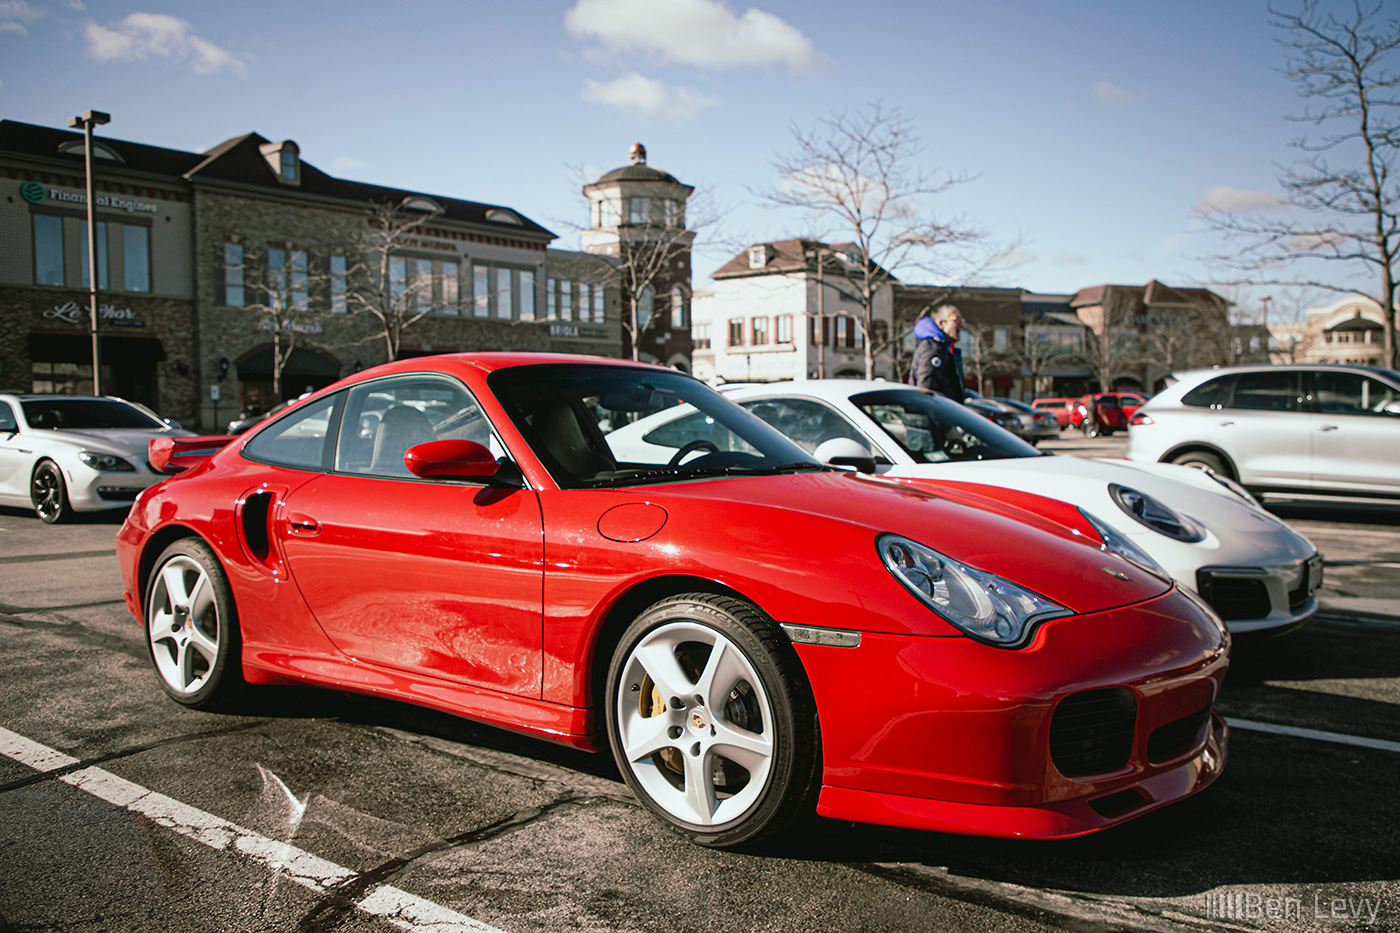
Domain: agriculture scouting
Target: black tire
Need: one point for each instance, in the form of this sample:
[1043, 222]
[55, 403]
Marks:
[1202, 460]
[722, 774]
[192, 627]
[49, 494]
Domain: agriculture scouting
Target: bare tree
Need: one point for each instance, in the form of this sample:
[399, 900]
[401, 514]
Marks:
[1342, 200]
[856, 174]
[379, 283]
[282, 290]
[983, 359]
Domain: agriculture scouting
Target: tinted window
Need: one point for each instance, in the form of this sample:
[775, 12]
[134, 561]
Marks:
[301, 439]
[1352, 394]
[933, 429]
[385, 418]
[7, 418]
[1212, 394]
[1267, 391]
[87, 414]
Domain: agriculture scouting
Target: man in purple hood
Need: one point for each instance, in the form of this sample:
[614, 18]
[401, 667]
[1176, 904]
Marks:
[936, 364]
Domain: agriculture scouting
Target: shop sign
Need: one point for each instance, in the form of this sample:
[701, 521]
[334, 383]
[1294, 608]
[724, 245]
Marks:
[573, 330]
[292, 327]
[73, 313]
[34, 193]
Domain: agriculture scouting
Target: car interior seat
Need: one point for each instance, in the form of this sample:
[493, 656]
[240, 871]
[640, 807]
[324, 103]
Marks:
[399, 428]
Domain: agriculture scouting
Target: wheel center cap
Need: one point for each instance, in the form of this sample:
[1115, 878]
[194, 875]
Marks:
[698, 720]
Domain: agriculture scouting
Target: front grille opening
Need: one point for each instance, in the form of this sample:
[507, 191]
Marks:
[1125, 801]
[1300, 593]
[1233, 598]
[1092, 732]
[1177, 738]
[254, 522]
[118, 493]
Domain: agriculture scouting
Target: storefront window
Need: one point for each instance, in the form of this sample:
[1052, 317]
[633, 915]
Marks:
[449, 288]
[527, 295]
[136, 258]
[48, 249]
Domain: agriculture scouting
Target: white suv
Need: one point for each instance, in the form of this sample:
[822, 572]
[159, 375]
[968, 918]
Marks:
[1290, 431]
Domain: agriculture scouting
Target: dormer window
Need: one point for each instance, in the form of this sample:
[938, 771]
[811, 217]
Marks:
[500, 215]
[285, 160]
[421, 203]
[100, 150]
[758, 257]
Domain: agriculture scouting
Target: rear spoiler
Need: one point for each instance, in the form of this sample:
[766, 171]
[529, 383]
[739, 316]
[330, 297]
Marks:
[176, 454]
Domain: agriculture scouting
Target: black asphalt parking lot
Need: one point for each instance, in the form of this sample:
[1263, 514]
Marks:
[317, 811]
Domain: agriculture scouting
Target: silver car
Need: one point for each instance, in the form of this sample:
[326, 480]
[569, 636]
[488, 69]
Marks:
[61, 454]
[1284, 432]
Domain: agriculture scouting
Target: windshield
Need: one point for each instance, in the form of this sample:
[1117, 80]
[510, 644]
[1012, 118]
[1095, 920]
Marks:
[934, 429]
[595, 426]
[79, 414]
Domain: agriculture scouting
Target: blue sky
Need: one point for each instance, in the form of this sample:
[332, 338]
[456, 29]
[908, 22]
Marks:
[1090, 129]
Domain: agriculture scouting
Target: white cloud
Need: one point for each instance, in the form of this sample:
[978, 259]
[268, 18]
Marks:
[703, 33]
[15, 15]
[1115, 96]
[1066, 258]
[347, 165]
[1237, 200]
[647, 97]
[156, 35]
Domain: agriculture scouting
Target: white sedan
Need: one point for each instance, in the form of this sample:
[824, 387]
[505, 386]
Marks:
[61, 454]
[1197, 527]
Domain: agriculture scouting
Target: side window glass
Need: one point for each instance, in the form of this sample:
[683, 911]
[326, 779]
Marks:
[7, 419]
[1352, 394]
[1269, 391]
[805, 421]
[300, 440]
[385, 418]
[1213, 394]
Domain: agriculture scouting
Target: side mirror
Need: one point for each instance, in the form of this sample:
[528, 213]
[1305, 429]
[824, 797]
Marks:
[454, 459]
[845, 452]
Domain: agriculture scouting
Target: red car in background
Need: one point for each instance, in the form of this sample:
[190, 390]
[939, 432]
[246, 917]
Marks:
[1059, 407]
[753, 635]
[1108, 413]
[1130, 402]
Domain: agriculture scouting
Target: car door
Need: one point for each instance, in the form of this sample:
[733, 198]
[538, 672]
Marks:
[1355, 437]
[432, 576]
[1263, 427]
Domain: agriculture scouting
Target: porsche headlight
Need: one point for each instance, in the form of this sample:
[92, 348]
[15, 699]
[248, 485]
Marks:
[1118, 543]
[981, 604]
[106, 463]
[1156, 514]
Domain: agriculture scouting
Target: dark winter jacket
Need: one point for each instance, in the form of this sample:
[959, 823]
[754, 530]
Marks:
[935, 364]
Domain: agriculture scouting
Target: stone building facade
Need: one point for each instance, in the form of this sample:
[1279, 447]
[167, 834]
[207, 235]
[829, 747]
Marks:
[235, 278]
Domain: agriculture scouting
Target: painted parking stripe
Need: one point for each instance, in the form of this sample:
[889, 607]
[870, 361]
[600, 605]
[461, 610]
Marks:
[404, 910]
[1316, 734]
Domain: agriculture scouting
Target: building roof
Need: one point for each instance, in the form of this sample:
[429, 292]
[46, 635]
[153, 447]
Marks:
[240, 160]
[638, 172]
[1153, 293]
[45, 143]
[786, 257]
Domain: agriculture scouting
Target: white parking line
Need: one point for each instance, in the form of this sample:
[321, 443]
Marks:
[1317, 734]
[405, 911]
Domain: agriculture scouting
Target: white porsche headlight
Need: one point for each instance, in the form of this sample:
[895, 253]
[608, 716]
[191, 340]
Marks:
[985, 606]
[1156, 514]
[107, 463]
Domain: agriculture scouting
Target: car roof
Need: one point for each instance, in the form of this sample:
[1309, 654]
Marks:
[830, 389]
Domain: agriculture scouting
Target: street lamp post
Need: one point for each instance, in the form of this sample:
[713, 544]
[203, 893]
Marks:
[86, 122]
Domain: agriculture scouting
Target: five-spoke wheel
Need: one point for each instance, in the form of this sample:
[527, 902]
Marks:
[191, 626]
[711, 720]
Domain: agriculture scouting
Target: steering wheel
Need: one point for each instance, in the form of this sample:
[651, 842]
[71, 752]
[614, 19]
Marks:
[690, 448]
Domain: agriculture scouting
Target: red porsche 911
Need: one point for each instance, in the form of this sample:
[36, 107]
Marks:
[754, 636]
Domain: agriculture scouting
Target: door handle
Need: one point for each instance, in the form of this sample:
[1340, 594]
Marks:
[1327, 427]
[303, 525]
[1226, 424]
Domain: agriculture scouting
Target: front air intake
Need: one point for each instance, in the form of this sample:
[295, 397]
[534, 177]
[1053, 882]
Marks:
[1092, 732]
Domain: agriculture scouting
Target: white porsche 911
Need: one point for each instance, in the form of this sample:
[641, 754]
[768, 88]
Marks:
[61, 454]
[1197, 527]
